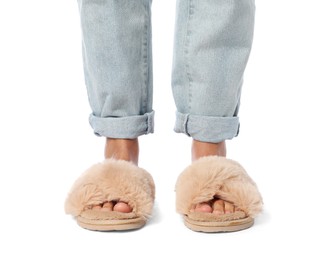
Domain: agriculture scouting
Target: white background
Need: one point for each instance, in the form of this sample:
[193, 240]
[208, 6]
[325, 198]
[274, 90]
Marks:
[46, 142]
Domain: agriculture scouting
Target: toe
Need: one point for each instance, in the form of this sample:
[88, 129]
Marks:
[203, 207]
[218, 207]
[229, 207]
[107, 206]
[96, 207]
[122, 207]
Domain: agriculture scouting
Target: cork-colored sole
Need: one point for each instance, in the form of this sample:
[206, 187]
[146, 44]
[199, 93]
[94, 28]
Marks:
[109, 221]
[208, 222]
[110, 225]
[218, 226]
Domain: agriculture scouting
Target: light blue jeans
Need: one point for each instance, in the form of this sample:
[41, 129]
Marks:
[212, 44]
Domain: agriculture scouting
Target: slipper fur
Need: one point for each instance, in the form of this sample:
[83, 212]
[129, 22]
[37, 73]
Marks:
[112, 180]
[217, 177]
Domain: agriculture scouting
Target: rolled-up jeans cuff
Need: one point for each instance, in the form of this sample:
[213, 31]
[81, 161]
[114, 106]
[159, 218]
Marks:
[207, 128]
[129, 127]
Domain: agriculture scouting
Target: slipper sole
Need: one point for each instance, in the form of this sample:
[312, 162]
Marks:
[218, 226]
[110, 224]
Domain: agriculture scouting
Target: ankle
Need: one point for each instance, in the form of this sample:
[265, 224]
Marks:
[122, 149]
[201, 149]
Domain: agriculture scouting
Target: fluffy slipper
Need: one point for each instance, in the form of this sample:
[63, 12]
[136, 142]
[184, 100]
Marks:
[112, 180]
[217, 177]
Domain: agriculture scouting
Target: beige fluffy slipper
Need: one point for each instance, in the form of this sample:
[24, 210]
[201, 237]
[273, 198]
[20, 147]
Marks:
[217, 177]
[112, 180]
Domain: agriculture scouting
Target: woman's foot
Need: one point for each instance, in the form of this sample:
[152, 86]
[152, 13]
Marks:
[113, 206]
[216, 206]
[119, 149]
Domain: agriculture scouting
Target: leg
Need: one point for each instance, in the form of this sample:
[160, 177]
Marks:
[118, 74]
[213, 40]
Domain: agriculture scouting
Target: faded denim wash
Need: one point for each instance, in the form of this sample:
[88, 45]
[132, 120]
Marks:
[212, 43]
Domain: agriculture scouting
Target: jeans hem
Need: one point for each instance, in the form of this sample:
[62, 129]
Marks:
[129, 127]
[207, 128]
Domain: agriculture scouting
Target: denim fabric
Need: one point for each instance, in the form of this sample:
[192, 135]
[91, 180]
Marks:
[118, 66]
[213, 40]
[212, 44]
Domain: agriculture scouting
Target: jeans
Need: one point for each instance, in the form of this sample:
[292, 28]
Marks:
[212, 43]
